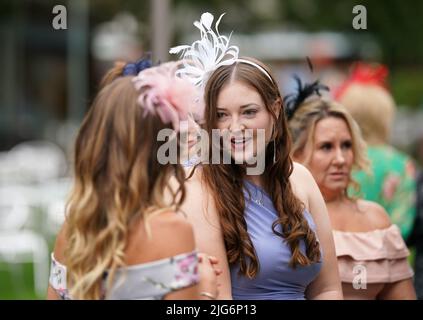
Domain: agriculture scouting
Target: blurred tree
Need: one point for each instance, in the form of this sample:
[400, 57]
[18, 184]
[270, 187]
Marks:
[245, 15]
[106, 10]
[395, 24]
[6, 8]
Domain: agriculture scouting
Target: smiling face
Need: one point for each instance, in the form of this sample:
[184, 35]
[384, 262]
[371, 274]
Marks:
[240, 112]
[330, 156]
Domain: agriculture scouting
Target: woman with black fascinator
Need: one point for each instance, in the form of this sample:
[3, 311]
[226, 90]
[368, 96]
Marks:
[372, 256]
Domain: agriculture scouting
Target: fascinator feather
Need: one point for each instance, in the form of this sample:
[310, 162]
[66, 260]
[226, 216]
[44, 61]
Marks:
[207, 54]
[163, 94]
[365, 74]
[304, 91]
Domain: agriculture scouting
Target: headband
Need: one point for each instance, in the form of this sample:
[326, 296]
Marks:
[257, 66]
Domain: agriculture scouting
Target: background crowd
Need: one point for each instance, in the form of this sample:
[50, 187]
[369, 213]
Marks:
[50, 78]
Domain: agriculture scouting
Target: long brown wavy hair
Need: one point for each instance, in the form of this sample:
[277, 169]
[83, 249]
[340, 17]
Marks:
[118, 181]
[225, 181]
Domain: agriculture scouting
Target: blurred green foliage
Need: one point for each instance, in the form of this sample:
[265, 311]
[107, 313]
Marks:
[407, 87]
[17, 282]
[396, 25]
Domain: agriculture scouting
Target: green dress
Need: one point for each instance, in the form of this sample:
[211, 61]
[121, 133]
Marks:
[392, 185]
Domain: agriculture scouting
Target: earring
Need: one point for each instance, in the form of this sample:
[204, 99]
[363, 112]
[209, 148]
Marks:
[274, 143]
[274, 151]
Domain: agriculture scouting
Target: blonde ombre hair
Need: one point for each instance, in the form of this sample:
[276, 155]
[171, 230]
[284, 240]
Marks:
[373, 107]
[118, 180]
[303, 124]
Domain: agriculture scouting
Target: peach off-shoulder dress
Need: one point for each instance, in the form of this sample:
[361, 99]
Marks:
[367, 261]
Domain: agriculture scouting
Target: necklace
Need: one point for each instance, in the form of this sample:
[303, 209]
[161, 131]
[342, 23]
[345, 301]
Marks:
[256, 199]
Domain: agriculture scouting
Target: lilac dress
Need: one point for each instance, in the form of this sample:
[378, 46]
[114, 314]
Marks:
[275, 279]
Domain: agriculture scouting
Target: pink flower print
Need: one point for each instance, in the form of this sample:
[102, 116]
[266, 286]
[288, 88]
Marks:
[186, 263]
[390, 186]
[186, 273]
[410, 169]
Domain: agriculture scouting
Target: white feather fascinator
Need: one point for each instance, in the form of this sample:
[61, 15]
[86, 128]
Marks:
[204, 56]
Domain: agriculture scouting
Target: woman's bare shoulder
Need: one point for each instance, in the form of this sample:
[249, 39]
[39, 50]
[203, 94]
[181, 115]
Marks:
[199, 204]
[303, 183]
[374, 214]
[300, 171]
[301, 177]
[169, 233]
[169, 220]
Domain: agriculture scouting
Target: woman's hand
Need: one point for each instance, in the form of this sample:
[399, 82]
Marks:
[208, 272]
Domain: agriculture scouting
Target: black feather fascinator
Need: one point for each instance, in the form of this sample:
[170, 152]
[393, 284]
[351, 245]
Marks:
[304, 91]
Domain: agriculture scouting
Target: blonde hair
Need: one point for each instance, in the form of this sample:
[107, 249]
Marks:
[373, 108]
[118, 180]
[303, 124]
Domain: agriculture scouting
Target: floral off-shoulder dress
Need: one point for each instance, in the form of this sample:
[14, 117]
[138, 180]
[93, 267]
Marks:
[146, 281]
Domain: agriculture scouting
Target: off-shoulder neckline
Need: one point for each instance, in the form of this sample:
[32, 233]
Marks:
[387, 229]
[143, 265]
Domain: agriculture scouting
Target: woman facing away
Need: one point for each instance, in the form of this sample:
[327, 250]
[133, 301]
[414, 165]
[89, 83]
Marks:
[120, 240]
[269, 230]
[372, 256]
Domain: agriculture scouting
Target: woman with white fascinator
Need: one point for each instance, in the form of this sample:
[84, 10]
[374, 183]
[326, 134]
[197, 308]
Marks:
[259, 213]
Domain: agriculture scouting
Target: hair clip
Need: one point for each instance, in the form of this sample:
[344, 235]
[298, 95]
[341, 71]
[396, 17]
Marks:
[132, 69]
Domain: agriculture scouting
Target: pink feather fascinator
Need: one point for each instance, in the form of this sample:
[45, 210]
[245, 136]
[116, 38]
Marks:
[164, 94]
